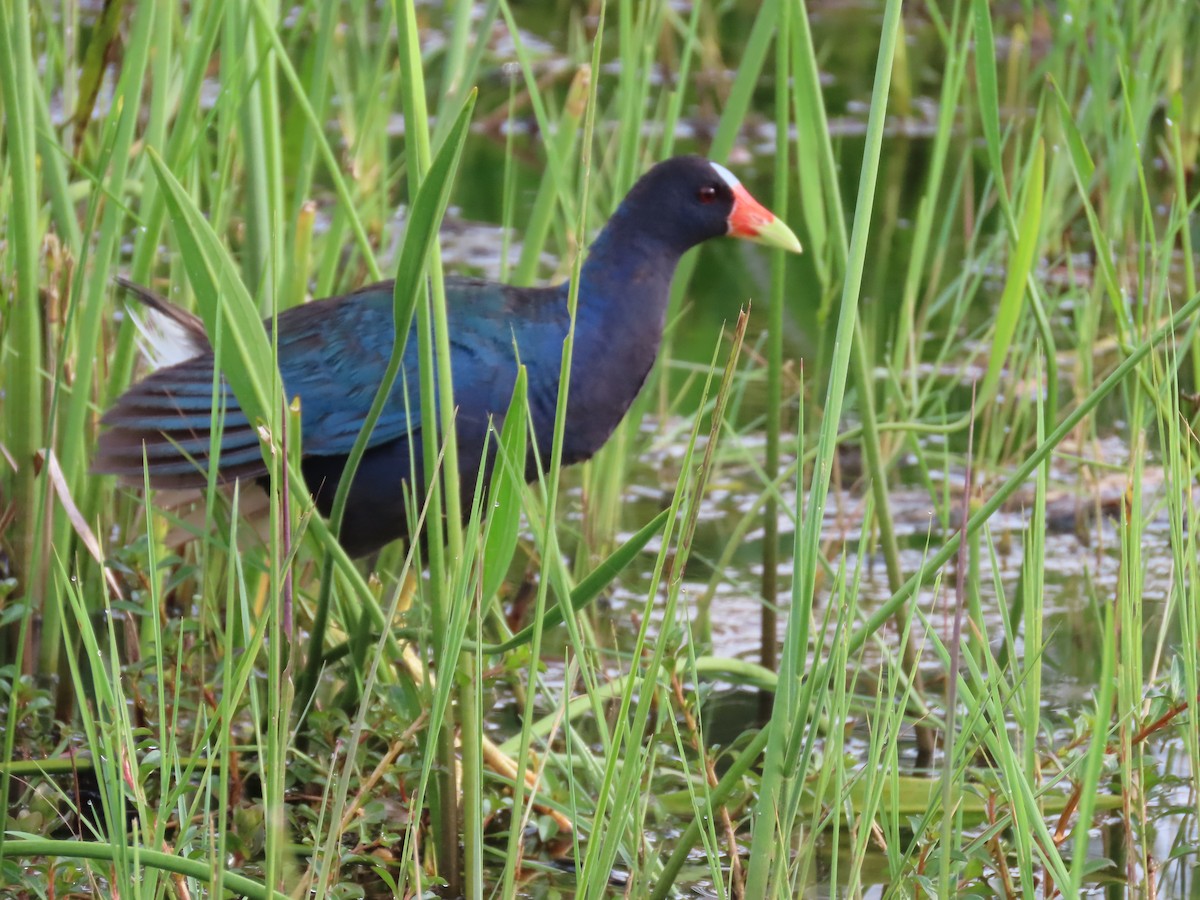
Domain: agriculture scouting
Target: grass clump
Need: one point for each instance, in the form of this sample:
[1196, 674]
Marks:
[996, 314]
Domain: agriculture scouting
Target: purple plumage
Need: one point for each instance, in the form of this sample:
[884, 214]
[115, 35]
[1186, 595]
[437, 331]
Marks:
[333, 352]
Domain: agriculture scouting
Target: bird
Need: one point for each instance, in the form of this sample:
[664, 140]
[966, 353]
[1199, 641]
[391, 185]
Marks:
[332, 354]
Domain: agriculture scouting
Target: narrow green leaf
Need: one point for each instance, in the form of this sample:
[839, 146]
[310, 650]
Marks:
[428, 207]
[221, 297]
[790, 713]
[1075, 143]
[989, 94]
[596, 581]
[95, 61]
[1012, 300]
[913, 795]
[537, 226]
[22, 361]
[333, 164]
[200, 869]
[1083, 168]
[508, 482]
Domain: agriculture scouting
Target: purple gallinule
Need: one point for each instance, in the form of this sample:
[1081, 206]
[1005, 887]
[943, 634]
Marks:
[333, 352]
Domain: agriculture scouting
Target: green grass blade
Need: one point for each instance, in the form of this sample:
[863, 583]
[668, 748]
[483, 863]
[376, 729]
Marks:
[22, 363]
[225, 304]
[1012, 300]
[507, 488]
[785, 727]
[989, 95]
[428, 208]
[590, 587]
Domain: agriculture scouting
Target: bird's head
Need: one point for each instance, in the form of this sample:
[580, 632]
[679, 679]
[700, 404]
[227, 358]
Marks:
[688, 199]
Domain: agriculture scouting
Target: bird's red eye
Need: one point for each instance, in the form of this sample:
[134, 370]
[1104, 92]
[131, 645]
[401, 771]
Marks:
[707, 194]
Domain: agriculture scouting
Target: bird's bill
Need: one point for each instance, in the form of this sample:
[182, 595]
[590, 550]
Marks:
[754, 222]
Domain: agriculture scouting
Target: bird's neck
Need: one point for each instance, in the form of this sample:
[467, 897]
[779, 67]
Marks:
[623, 292]
[626, 279]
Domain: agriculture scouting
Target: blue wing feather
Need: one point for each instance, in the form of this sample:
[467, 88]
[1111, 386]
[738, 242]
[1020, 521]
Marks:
[333, 355]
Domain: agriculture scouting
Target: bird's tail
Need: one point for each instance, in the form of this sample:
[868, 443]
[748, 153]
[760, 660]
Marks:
[165, 424]
[169, 334]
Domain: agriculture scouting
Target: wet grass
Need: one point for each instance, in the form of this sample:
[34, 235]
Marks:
[981, 306]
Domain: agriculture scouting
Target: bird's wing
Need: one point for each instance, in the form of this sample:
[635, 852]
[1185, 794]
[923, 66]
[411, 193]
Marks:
[332, 356]
[335, 360]
[169, 416]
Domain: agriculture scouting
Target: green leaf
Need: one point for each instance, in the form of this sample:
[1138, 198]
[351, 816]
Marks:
[1012, 301]
[596, 581]
[225, 304]
[911, 795]
[1084, 166]
[95, 62]
[989, 95]
[428, 208]
[504, 498]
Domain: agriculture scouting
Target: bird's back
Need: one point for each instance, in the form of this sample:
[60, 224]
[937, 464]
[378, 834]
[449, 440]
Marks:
[332, 356]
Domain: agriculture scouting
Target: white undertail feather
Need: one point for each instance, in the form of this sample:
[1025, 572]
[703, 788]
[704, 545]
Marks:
[161, 340]
[167, 334]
